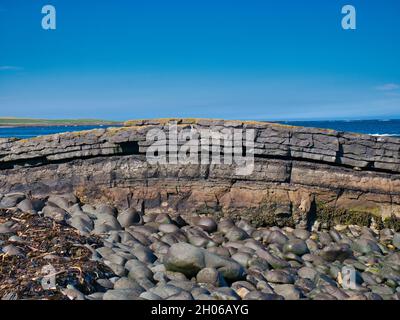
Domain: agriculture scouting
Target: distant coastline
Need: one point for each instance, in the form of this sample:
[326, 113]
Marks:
[6, 122]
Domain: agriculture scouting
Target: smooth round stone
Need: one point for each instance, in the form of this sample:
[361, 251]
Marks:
[253, 244]
[288, 291]
[261, 234]
[113, 237]
[258, 295]
[298, 247]
[307, 273]
[165, 290]
[177, 276]
[118, 269]
[264, 287]
[199, 241]
[82, 223]
[126, 283]
[122, 294]
[365, 246]
[312, 245]
[211, 276]
[335, 252]
[225, 293]
[236, 234]
[143, 254]
[306, 285]
[278, 276]
[221, 251]
[301, 234]
[335, 292]
[105, 283]
[324, 238]
[258, 263]
[382, 290]
[275, 262]
[225, 225]
[105, 252]
[55, 213]
[243, 284]
[396, 240]
[160, 276]
[168, 228]
[163, 218]
[149, 296]
[324, 296]
[183, 295]
[185, 258]
[277, 237]
[183, 284]
[293, 257]
[369, 278]
[199, 292]
[104, 209]
[207, 224]
[26, 206]
[130, 217]
[11, 200]
[95, 296]
[246, 226]
[385, 235]
[117, 259]
[322, 279]
[335, 235]
[105, 223]
[242, 258]
[138, 270]
[60, 201]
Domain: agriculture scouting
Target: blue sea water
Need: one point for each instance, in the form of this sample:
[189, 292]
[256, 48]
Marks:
[30, 132]
[373, 127]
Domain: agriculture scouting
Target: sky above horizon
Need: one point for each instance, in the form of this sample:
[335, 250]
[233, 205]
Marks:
[233, 59]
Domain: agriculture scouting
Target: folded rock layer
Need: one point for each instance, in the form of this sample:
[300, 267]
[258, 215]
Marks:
[300, 174]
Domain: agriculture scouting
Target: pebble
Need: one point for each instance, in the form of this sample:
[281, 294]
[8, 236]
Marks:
[298, 247]
[210, 276]
[129, 218]
[278, 276]
[122, 294]
[288, 291]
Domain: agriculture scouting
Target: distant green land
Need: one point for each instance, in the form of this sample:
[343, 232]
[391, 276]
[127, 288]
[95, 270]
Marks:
[9, 121]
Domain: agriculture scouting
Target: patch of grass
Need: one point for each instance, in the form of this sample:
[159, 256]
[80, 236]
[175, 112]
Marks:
[49, 122]
[392, 223]
[265, 216]
[332, 216]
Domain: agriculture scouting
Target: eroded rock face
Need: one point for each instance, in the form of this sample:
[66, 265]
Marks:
[298, 173]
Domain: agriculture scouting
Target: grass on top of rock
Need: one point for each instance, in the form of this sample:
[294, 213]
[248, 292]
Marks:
[265, 216]
[332, 216]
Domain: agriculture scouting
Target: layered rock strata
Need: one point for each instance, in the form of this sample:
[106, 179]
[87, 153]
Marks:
[300, 174]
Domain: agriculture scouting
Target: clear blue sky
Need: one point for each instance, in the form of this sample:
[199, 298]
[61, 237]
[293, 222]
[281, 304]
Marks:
[277, 60]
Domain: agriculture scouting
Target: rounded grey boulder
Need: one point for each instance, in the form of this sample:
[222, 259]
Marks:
[130, 217]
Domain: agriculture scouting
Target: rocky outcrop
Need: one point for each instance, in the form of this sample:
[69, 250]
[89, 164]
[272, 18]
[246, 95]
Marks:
[300, 174]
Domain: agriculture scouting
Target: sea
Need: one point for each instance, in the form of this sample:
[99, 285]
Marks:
[372, 127]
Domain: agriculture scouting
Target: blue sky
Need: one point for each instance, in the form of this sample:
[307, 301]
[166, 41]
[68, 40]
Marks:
[234, 59]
